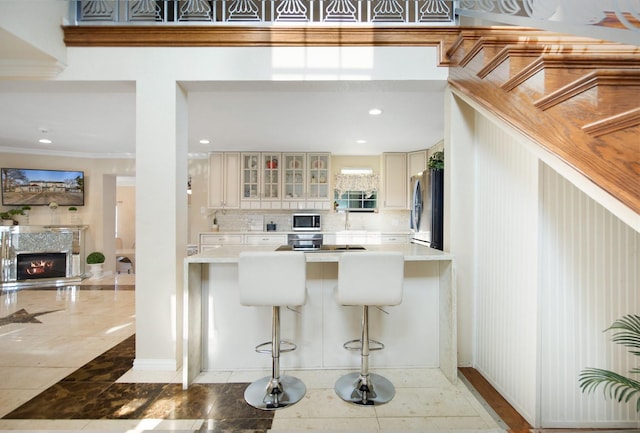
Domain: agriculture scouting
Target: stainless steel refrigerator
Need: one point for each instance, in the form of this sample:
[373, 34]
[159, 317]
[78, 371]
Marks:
[427, 210]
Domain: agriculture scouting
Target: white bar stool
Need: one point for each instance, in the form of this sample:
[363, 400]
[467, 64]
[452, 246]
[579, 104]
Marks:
[368, 278]
[273, 279]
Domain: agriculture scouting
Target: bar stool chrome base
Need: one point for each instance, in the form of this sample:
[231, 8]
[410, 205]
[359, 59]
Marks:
[369, 390]
[271, 394]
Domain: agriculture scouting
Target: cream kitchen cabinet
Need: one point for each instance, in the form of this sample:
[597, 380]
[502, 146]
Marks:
[319, 193]
[417, 162]
[224, 180]
[261, 180]
[395, 182]
[294, 180]
[394, 239]
[209, 241]
[265, 239]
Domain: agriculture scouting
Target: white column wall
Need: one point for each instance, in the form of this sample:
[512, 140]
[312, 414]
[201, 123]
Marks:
[161, 147]
[160, 219]
[460, 213]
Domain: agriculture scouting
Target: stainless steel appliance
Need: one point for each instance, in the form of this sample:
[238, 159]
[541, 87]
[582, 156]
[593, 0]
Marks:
[305, 222]
[305, 241]
[426, 219]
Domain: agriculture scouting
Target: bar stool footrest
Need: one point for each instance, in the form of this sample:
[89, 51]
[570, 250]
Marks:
[357, 345]
[285, 346]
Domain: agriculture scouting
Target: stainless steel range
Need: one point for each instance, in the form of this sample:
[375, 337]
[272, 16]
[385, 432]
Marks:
[304, 241]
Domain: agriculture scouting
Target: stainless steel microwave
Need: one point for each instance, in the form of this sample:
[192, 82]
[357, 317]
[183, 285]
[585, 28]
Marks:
[303, 222]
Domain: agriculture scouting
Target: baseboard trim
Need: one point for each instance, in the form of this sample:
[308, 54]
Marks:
[155, 364]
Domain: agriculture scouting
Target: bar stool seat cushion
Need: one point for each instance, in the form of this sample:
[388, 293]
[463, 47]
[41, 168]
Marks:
[276, 278]
[370, 278]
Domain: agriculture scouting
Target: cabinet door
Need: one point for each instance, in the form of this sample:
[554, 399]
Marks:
[250, 174]
[417, 162]
[318, 181]
[224, 180]
[294, 177]
[271, 168]
[395, 181]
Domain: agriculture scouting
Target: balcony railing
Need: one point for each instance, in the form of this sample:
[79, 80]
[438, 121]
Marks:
[614, 20]
[267, 12]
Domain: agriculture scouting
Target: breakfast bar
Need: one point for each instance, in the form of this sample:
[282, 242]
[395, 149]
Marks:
[220, 334]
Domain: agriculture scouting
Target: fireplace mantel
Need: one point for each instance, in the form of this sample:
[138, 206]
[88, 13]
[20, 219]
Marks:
[32, 240]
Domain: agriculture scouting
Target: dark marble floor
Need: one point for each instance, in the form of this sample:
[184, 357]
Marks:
[91, 392]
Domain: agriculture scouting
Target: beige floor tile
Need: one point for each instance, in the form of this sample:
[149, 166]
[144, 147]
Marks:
[319, 379]
[213, 377]
[37, 378]
[324, 403]
[10, 399]
[440, 402]
[353, 425]
[43, 424]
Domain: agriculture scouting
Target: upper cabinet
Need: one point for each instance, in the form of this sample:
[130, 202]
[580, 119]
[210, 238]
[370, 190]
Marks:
[294, 180]
[260, 180]
[395, 181]
[224, 180]
[417, 162]
[318, 180]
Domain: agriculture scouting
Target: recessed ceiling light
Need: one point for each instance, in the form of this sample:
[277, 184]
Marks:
[361, 141]
[44, 141]
[204, 141]
[375, 112]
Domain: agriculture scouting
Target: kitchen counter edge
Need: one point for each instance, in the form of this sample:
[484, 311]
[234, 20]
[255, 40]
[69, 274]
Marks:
[229, 254]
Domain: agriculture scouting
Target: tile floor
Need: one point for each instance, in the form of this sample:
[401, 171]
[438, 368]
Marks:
[66, 356]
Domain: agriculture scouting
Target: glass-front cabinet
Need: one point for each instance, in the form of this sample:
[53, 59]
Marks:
[318, 172]
[250, 176]
[260, 178]
[270, 176]
[294, 179]
[276, 180]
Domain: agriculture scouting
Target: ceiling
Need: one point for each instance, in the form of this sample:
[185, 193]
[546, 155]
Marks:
[97, 119]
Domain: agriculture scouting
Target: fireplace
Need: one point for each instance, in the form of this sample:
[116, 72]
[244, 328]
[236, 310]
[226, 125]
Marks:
[31, 266]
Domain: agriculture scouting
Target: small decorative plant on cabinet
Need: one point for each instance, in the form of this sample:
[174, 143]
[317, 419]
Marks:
[95, 260]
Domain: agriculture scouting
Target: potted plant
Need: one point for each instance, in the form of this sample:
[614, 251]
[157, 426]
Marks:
[95, 261]
[73, 215]
[616, 385]
[436, 161]
[7, 219]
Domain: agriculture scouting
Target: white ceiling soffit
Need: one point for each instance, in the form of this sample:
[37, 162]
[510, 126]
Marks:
[97, 119]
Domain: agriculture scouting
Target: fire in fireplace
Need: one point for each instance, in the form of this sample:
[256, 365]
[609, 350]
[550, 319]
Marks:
[41, 265]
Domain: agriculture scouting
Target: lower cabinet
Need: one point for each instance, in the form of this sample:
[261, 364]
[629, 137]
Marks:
[265, 239]
[209, 241]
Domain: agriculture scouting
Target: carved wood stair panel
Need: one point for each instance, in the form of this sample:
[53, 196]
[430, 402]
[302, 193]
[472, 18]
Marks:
[579, 98]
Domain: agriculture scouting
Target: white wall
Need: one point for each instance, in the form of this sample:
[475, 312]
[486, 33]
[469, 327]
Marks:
[589, 277]
[550, 269]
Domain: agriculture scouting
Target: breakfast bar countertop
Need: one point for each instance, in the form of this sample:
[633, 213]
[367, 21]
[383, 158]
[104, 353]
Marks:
[229, 254]
[218, 332]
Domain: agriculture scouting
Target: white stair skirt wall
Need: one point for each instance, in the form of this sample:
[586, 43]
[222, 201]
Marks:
[505, 265]
[589, 277]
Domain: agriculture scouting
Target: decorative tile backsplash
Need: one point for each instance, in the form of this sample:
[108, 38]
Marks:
[242, 220]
